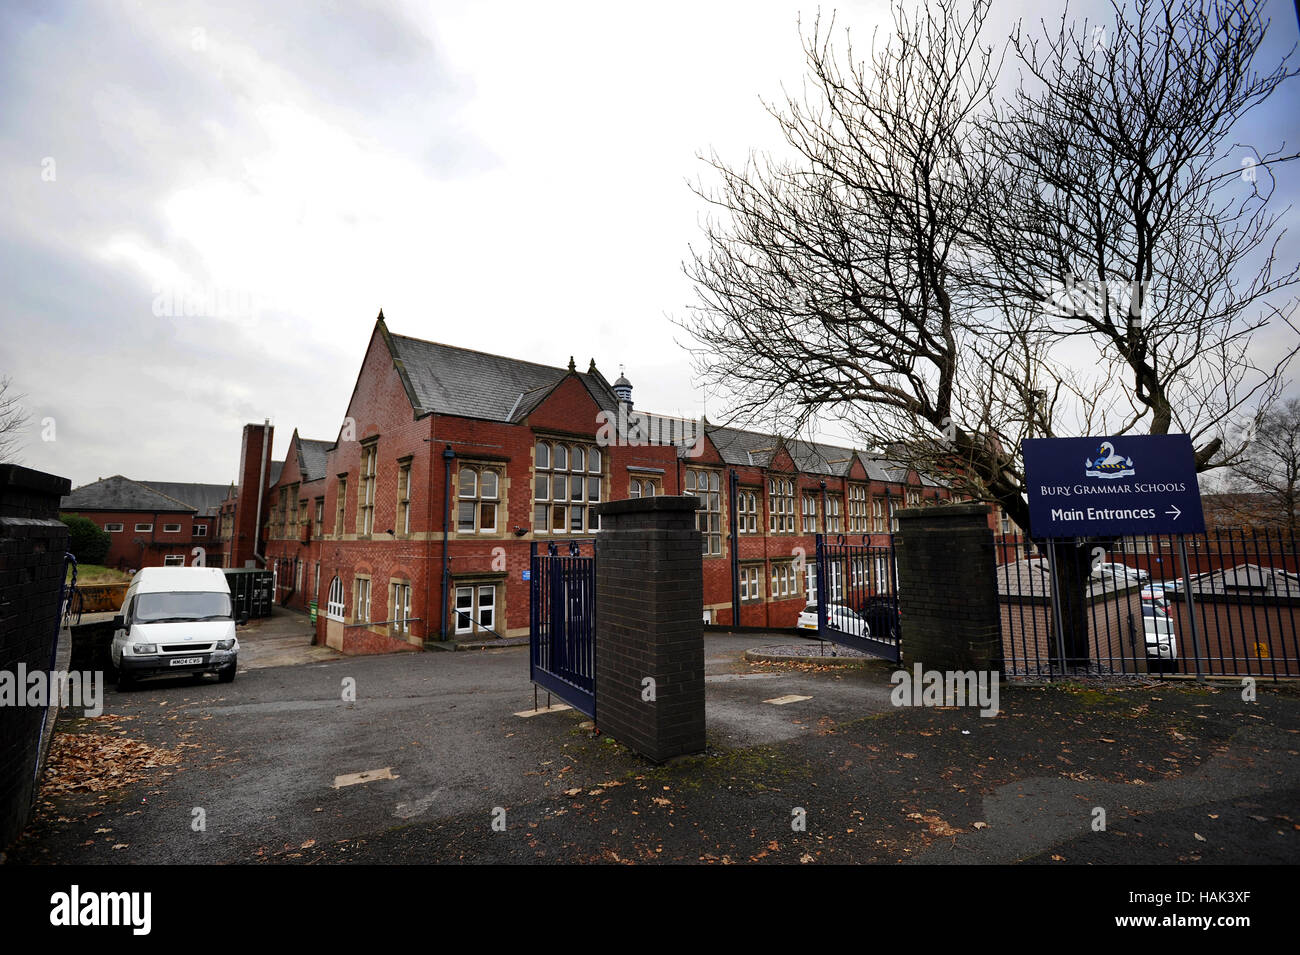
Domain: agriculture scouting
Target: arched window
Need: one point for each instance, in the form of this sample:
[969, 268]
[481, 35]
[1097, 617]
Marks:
[334, 609]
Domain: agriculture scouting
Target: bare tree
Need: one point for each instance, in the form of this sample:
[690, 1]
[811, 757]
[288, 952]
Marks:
[13, 421]
[953, 272]
[1271, 465]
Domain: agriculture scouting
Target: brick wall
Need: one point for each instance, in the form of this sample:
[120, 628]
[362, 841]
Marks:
[947, 589]
[33, 542]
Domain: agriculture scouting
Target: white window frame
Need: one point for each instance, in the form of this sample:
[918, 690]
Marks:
[556, 463]
[174, 560]
[171, 529]
[335, 609]
[144, 528]
[361, 599]
[200, 530]
[114, 527]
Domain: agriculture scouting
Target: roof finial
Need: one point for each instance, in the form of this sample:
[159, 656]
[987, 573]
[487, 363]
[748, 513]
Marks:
[572, 366]
[591, 369]
[381, 315]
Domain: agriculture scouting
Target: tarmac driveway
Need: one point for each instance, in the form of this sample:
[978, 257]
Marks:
[430, 763]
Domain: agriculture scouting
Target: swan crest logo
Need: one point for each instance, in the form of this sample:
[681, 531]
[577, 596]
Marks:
[1108, 464]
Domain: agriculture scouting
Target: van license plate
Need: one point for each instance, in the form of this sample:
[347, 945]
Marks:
[186, 661]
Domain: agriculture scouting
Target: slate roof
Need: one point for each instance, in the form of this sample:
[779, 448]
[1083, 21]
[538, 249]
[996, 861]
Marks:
[1255, 579]
[473, 384]
[276, 468]
[205, 498]
[311, 458]
[743, 447]
[118, 493]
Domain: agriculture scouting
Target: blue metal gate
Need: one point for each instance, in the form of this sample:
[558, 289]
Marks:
[857, 596]
[562, 623]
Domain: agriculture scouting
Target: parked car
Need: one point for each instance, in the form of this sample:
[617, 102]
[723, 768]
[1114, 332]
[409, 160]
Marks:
[883, 616]
[1160, 639]
[1155, 594]
[176, 620]
[1121, 571]
[838, 616]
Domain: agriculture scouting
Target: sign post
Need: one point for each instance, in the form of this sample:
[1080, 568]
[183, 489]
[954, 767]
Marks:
[1118, 486]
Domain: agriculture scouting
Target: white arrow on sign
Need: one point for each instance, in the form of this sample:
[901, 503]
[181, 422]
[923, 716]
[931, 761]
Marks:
[1174, 511]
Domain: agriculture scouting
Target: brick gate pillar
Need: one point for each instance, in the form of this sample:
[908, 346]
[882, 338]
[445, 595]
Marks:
[649, 626]
[947, 588]
[32, 543]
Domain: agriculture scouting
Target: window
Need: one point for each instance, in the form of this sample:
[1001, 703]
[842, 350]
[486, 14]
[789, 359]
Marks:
[143, 528]
[171, 528]
[877, 515]
[1005, 522]
[302, 514]
[857, 509]
[858, 571]
[476, 608]
[366, 490]
[747, 511]
[835, 592]
[780, 506]
[399, 606]
[297, 576]
[361, 601]
[706, 485]
[783, 580]
[834, 513]
[478, 490]
[913, 498]
[809, 514]
[567, 481]
[320, 516]
[334, 608]
[751, 583]
[113, 527]
[810, 582]
[643, 487]
[341, 507]
[404, 497]
[200, 530]
[174, 560]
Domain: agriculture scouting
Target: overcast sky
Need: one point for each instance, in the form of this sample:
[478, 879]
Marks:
[506, 176]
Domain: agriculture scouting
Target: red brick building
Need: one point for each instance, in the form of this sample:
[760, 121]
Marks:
[414, 524]
[150, 523]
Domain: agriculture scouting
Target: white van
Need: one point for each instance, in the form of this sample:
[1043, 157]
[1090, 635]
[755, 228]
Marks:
[175, 620]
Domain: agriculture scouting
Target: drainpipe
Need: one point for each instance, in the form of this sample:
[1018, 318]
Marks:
[735, 550]
[261, 486]
[448, 455]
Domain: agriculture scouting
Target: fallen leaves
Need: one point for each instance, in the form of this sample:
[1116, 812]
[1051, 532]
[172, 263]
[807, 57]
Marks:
[93, 762]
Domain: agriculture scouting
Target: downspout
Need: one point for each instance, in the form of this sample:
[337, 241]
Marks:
[448, 455]
[261, 486]
[735, 552]
[428, 537]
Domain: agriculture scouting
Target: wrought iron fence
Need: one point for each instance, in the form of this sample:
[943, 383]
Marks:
[1224, 603]
[562, 622]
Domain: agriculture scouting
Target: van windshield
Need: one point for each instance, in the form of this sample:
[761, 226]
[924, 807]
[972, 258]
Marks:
[181, 605]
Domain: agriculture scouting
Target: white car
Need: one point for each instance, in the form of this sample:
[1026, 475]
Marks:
[1121, 571]
[1161, 640]
[842, 618]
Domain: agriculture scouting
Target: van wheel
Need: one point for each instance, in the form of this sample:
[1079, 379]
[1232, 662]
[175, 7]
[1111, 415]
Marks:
[227, 674]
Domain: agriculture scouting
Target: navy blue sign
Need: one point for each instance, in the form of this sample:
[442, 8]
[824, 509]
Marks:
[1085, 487]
